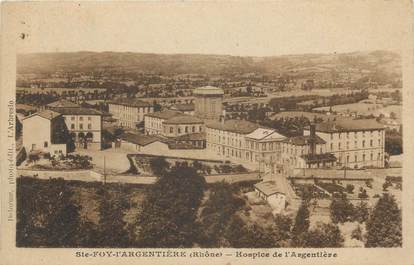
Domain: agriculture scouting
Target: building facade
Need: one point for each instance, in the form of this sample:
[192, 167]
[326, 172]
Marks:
[208, 102]
[41, 132]
[129, 112]
[355, 143]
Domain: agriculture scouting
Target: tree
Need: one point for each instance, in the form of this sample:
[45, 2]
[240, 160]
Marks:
[361, 213]
[384, 226]
[33, 157]
[301, 225]
[323, 236]
[350, 188]
[216, 213]
[169, 210]
[18, 128]
[112, 232]
[341, 209]
[159, 165]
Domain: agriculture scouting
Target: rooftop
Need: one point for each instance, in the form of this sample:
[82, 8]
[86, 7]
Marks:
[183, 119]
[139, 138]
[262, 133]
[303, 140]
[268, 187]
[349, 125]
[78, 111]
[130, 102]
[63, 103]
[47, 114]
[236, 126]
[165, 115]
[208, 90]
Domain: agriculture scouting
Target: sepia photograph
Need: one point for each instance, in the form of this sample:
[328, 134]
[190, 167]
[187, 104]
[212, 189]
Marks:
[206, 125]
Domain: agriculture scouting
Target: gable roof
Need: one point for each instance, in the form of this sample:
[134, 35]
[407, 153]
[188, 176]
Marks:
[236, 126]
[183, 119]
[46, 114]
[62, 103]
[265, 133]
[78, 111]
[303, 140]
[268, 187]
[139, 138]
[165, 115]
[347, 125]
[130, 102]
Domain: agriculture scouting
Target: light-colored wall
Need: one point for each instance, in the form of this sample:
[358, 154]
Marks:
[174, 130]
[37, 131]
[94, 121]
[356, 145]
[128, 116]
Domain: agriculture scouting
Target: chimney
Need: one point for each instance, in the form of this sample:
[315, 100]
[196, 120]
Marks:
[312, 140]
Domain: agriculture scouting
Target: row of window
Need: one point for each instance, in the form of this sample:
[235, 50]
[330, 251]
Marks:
[72, 126]
[347, 134]
[187, 129]
[371, 144]
[72, 118]
[364, 158]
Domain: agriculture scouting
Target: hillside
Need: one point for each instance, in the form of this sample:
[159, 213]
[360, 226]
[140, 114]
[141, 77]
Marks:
[127, 62]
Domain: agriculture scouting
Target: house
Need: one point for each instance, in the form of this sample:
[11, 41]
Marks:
[272, 193]
[45, 131]
[355, 143]
[138, 142]
[129, 112]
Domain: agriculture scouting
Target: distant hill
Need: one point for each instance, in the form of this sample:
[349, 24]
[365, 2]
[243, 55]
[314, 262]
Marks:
[384, 61]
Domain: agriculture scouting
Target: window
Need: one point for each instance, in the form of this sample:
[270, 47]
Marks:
[356, 158]
[355, 144]
[339, 146]
[193, 129]
[339, 135]
[89, 126]
[331, 146]
[186, 129]
[347, 145]
[331, 136]
[264, 146]
[371, 143]
[81, 118]
[363, 157]
[179, 130]
[81, 126]
[372, 156]
[72, 126]
[171, 130]
[72, 118]
[45, 144]
[89, 118]
[363, 134]
[363, 143]
[379, 142]
[347, 159]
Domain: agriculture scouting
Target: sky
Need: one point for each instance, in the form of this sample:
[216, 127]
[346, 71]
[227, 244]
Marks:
[233, 28]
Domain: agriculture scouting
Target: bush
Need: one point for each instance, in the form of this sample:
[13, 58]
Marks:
[357, 233]
[341, 210]
[350, 188]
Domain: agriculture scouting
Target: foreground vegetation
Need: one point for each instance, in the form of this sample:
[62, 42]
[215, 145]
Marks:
[181, 210]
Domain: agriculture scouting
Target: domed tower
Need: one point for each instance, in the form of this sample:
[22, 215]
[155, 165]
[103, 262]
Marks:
[208, 102]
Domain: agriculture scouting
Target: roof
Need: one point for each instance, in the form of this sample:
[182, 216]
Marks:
[236, 126]
[78, 111]
[327, 157]
[348, 125]
[208, 90]
[183, 107]
[165, 115]
[62, 103]
[47, 114]
[183, 119]
[191, 137]
[303, 140]
[131, 102]
[268, 187]
[24, 107]
[262, 133]
[139, 138]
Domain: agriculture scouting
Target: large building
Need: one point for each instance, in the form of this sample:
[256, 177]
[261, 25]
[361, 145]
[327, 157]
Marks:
[129, 112]
[208, 102]
[84, 124]
[42, 131]
[355, 143]
[244, 142]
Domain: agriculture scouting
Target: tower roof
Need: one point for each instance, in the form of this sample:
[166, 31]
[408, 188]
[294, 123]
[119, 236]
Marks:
[208, 90]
